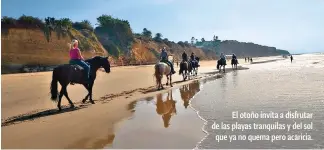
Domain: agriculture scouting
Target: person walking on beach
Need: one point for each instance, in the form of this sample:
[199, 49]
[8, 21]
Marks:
[291, 58]
[251, 60]
[77, 59]
[245, 59]
[164, 58]
[248, 59]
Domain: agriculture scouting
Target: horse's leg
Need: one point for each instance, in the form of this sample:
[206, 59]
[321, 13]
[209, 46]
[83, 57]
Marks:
[171, 81]
[183, 76]
[167, 79]
[67, 96]
[60, 98]
[86, 98]
[90, 91]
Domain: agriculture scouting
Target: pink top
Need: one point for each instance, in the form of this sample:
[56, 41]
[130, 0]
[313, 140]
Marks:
[74, 53]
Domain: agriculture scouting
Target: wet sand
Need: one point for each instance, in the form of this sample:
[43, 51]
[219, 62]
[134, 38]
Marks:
[165, 121]
[30, 119]
[278, 87]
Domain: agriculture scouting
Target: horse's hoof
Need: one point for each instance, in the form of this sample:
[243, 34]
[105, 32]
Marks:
[92, 102]
[84, 100]
[167, 84]
[171, 85]
[59, 109]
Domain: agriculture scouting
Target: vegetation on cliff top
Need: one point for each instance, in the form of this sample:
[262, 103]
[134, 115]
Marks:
[116, 36]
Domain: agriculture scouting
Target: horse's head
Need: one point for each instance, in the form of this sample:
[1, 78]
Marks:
[105, 64]
[99, 61]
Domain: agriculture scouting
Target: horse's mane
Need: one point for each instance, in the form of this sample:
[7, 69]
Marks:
[93, 58]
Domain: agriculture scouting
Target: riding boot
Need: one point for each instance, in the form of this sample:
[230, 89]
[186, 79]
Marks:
[172, 71]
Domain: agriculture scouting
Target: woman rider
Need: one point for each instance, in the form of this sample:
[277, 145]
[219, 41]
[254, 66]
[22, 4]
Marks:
[77, 59]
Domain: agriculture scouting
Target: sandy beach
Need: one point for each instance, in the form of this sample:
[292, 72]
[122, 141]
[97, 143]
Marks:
[28, 112]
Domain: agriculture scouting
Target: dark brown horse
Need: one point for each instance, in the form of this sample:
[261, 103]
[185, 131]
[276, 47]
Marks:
[234, 63]
[185, 69]
[221, 63]
[66, 74]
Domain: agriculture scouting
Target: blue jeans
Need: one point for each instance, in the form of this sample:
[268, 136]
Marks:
[83, 64]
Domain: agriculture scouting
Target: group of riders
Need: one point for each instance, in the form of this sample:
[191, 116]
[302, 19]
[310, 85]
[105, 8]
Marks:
[164, 58]
[77, 59]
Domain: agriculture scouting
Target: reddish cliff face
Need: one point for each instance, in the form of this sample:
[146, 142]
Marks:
[30, 47]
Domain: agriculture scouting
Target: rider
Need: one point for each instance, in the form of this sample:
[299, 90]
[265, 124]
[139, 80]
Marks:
[222, 57]
[234, 56]
[192, 56]
[184, 56]
[77, 59]
[164, 58]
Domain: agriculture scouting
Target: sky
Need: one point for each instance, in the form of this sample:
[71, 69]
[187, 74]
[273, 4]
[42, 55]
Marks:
[293, 25]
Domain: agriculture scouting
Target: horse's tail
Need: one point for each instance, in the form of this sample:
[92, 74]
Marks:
[218, 64]
[54, 91]
[157, 74]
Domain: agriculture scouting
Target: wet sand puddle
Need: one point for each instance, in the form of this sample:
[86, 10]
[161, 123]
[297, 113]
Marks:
[164, 121]
[271, 87]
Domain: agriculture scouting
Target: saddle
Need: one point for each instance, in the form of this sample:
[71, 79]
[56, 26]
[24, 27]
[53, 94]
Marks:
[76, 74]
[164, 61]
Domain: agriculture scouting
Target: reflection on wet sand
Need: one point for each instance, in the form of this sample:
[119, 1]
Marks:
[188, 91]
[166, 108]
[170, 108]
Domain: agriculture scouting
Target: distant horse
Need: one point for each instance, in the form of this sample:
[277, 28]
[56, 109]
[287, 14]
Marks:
[195, 65]
[160, 70]
[234, 63]
[66, 74]
[185, 70]
[221, 64]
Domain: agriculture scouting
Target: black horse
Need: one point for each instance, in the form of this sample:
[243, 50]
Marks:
[185, 69]
[66, 74]
[221, 64]
[234, 63]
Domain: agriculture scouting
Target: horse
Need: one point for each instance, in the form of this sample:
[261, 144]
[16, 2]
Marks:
[195, 65]
[221, 64]
[234, 63]
[185, 69]
[160, 70]
[70, 74]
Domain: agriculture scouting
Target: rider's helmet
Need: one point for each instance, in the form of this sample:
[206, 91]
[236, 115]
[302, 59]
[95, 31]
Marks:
[233, 54]
[192, 53]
